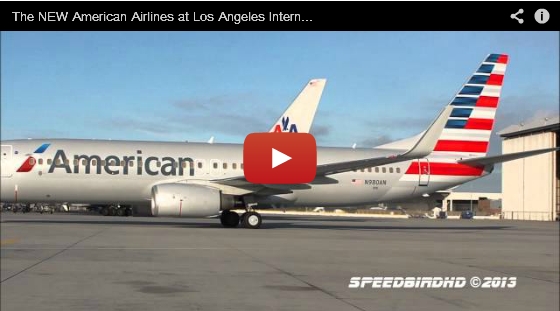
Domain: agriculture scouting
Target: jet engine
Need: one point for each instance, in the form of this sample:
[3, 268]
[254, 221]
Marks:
[183, 200]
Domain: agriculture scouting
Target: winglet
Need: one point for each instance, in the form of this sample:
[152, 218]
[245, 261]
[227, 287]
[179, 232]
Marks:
[428, 141]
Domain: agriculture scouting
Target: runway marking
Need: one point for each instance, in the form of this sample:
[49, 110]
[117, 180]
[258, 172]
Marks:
[53, 255]
[310, 285]
[8, 242]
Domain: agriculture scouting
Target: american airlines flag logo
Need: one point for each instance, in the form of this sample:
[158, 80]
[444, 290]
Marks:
[30, 162]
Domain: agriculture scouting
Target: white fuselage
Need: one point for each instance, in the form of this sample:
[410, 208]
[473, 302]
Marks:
[124, 172]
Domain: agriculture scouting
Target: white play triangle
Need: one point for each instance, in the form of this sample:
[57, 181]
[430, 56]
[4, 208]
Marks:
[279, 158]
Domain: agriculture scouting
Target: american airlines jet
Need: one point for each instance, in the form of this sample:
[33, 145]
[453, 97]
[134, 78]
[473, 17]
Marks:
[297, 118]
[200, 179]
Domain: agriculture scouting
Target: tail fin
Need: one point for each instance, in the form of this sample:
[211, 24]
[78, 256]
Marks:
[469, 127]
[300, 114]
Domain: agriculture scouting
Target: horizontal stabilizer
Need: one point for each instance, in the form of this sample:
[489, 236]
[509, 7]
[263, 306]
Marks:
[505, 157]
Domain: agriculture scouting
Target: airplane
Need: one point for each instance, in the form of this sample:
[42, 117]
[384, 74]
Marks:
[180, 179]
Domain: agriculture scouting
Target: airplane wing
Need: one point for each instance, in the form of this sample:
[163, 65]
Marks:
[504, 157]
[299, 116]
[422, 148]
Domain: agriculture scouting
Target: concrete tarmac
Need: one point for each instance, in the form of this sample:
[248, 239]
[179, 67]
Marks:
[90, 262]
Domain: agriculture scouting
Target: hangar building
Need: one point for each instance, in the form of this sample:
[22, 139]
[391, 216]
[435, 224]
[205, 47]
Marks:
[531, 186]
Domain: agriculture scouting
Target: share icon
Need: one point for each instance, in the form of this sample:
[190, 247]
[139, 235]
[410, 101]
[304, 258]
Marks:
[514, 16]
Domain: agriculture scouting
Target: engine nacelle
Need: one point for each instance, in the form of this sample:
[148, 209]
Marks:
[182, 200]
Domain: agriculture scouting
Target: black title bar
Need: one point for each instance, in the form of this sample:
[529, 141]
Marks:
[277, 15]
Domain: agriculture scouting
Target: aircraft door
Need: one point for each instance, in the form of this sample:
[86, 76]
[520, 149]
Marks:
[423, 172]
[6, 168]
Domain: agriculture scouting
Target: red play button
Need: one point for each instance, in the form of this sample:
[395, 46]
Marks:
[279, 158]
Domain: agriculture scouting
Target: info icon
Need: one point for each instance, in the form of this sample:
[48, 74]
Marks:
[542, 16]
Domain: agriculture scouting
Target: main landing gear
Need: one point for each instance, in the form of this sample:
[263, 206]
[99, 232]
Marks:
[249, 219]
[115, 211]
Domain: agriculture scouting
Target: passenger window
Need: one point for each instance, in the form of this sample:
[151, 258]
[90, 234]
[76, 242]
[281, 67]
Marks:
[112, 162]
[184, 165]
[199, 164]
[130, 163]
[58, 161]
[158, 164]
[75, 162]
[215, 165]
[102, 162]
[31, 161]
[94, 162]
[384, 170]
[40, 161]
[398, 169]
[234, 166]
[391, 170]
[66, 161]
[84, 162]
[241, 165]
[377, 169]
[49, 161]
[369, 169]
[224, 166]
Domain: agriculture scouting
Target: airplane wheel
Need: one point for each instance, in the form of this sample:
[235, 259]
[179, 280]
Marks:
[252, 220]
[128, 212]
[112, 211]
[120, 212]
[229, 219]
[104, 211]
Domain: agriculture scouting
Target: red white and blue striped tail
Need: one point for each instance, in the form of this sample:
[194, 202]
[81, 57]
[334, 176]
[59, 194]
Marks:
[469, 127]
